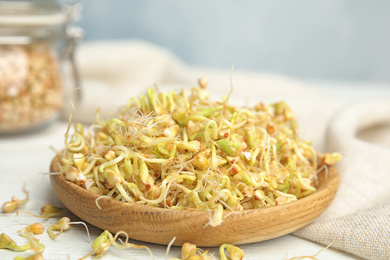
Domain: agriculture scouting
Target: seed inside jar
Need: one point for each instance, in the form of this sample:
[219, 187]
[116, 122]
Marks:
[30, 87]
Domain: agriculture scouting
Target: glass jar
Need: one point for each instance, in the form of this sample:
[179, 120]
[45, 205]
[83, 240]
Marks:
[36, 39]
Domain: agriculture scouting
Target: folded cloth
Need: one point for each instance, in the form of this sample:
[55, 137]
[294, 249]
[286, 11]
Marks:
[357, 220]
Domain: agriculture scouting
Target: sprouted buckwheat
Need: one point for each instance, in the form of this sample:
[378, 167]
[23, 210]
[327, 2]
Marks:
[183, 151]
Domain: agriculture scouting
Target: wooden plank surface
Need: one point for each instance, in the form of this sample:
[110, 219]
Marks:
[23, 158]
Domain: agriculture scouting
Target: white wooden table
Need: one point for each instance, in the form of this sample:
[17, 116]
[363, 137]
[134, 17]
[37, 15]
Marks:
[25, 158]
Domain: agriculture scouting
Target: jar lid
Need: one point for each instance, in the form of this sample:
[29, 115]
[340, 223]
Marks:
[33, 13]
[23, 21]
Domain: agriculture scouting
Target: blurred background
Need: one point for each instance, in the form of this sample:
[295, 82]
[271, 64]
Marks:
[336, 40]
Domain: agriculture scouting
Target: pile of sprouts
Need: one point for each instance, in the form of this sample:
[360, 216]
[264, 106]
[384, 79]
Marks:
[180, 150]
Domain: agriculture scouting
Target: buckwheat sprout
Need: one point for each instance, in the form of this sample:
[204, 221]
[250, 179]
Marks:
[7, 243]
[91, 130]
[304, 183]
[33, 241]
[15, 203]
[103, 242]
[153, 160]
[47, 211]
[162, 140]
[231, 86]
[37, 256]
[99, 198]
[112, 162]
[214, 127]
[96, 179]
[100, 245]
[169, 247]
[159, 199]
[125, 244]
[298, 152]
[35, 228]
[234, 252]
[234, 126]
[187, 250]
[62, 225]
[77, 144]
[170, 180]
[70, 123]
[110, 194]
[123, 193]
[29, 232]
[311, 256]
[216, 219]
[331, 158]
[191, 252]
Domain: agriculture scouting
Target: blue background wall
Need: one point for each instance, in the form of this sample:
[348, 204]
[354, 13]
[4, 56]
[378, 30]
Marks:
[323, 39]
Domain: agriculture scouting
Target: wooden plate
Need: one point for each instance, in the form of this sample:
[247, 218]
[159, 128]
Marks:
[159, 226]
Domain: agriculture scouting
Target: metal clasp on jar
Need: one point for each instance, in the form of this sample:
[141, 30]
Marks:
[74, 36]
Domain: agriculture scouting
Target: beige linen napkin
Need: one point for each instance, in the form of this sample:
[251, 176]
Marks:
[357, 220]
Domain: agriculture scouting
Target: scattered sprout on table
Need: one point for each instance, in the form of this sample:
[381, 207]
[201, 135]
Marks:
[7, 243]
[62, 225]
[188, 250]
[103, 242]
[36, 228]
[33, 241]
[313, 257]
[47, 211]
[50, 211]
[29, 233]
[192, 252]
[15, 203]
[234, 252]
